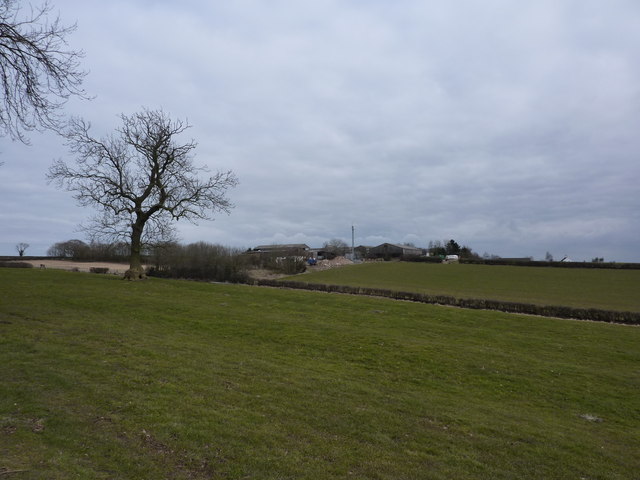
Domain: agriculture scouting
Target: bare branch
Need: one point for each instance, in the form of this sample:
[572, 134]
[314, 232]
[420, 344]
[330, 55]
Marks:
[38, 70]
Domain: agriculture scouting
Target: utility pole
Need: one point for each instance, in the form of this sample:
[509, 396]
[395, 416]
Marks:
[353, 242]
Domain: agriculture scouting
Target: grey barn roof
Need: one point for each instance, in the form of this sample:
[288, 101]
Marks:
[290, 246]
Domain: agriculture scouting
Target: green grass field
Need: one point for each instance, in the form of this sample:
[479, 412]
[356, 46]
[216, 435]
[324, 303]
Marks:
[105, 379]
[604, 289]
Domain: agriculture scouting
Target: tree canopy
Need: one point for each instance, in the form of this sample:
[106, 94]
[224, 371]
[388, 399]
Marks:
[140, 179]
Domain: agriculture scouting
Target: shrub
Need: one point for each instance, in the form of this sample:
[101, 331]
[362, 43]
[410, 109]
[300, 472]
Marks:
[287, 265]
[290, 265]
[98, 270]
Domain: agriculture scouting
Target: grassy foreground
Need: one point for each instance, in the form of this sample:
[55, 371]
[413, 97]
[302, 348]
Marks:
[605, 289]
[102, 378]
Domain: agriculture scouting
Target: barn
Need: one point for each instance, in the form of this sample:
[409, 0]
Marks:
[288, 250]
[391, 250]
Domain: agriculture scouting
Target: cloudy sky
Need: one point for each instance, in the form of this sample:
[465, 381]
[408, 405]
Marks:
[511, 127]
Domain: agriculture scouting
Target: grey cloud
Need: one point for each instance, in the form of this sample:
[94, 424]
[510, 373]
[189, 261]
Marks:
[510, 127]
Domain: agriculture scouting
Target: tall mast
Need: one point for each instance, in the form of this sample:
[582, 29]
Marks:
[353, 242]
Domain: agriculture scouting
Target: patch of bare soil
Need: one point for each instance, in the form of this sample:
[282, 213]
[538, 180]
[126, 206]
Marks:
[115, 268]
[333, 263]
[263, 274]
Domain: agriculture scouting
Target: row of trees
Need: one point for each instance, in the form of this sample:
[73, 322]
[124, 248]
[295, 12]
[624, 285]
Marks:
[437, 248]
[94, 251]
[451, 247]
[198, 261]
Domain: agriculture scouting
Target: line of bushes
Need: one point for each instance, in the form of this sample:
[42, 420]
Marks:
[15, 265]
[630, 318]
[199, 261]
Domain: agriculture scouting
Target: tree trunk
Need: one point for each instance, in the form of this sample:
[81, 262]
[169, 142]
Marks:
[136, 272]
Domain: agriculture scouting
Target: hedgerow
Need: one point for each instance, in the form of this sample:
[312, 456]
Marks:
[15, 265]
[610, 316]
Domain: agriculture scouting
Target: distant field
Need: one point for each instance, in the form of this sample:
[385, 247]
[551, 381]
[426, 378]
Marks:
[105, 379]
[575, 287]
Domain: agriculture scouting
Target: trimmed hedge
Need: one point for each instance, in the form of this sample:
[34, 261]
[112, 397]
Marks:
[416, 259]
[15, 265]
[527, 263]
[610, 316]
[540, 263]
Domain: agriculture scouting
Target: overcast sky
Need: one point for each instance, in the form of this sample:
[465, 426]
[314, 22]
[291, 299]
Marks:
[511, 127]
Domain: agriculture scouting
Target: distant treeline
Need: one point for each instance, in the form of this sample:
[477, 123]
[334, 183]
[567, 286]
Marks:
[196, 261]
[90, 252]
[528, 263]
[205, 261]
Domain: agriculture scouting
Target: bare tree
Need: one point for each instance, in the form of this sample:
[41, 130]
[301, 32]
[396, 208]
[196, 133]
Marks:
[21, 248]
[335, 247]
[140, 180]
[69, 249]
[38, 71]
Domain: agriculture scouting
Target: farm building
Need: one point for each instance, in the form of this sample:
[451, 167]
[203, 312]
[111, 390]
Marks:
[288, 250]
[393, 250]
[362, 251]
